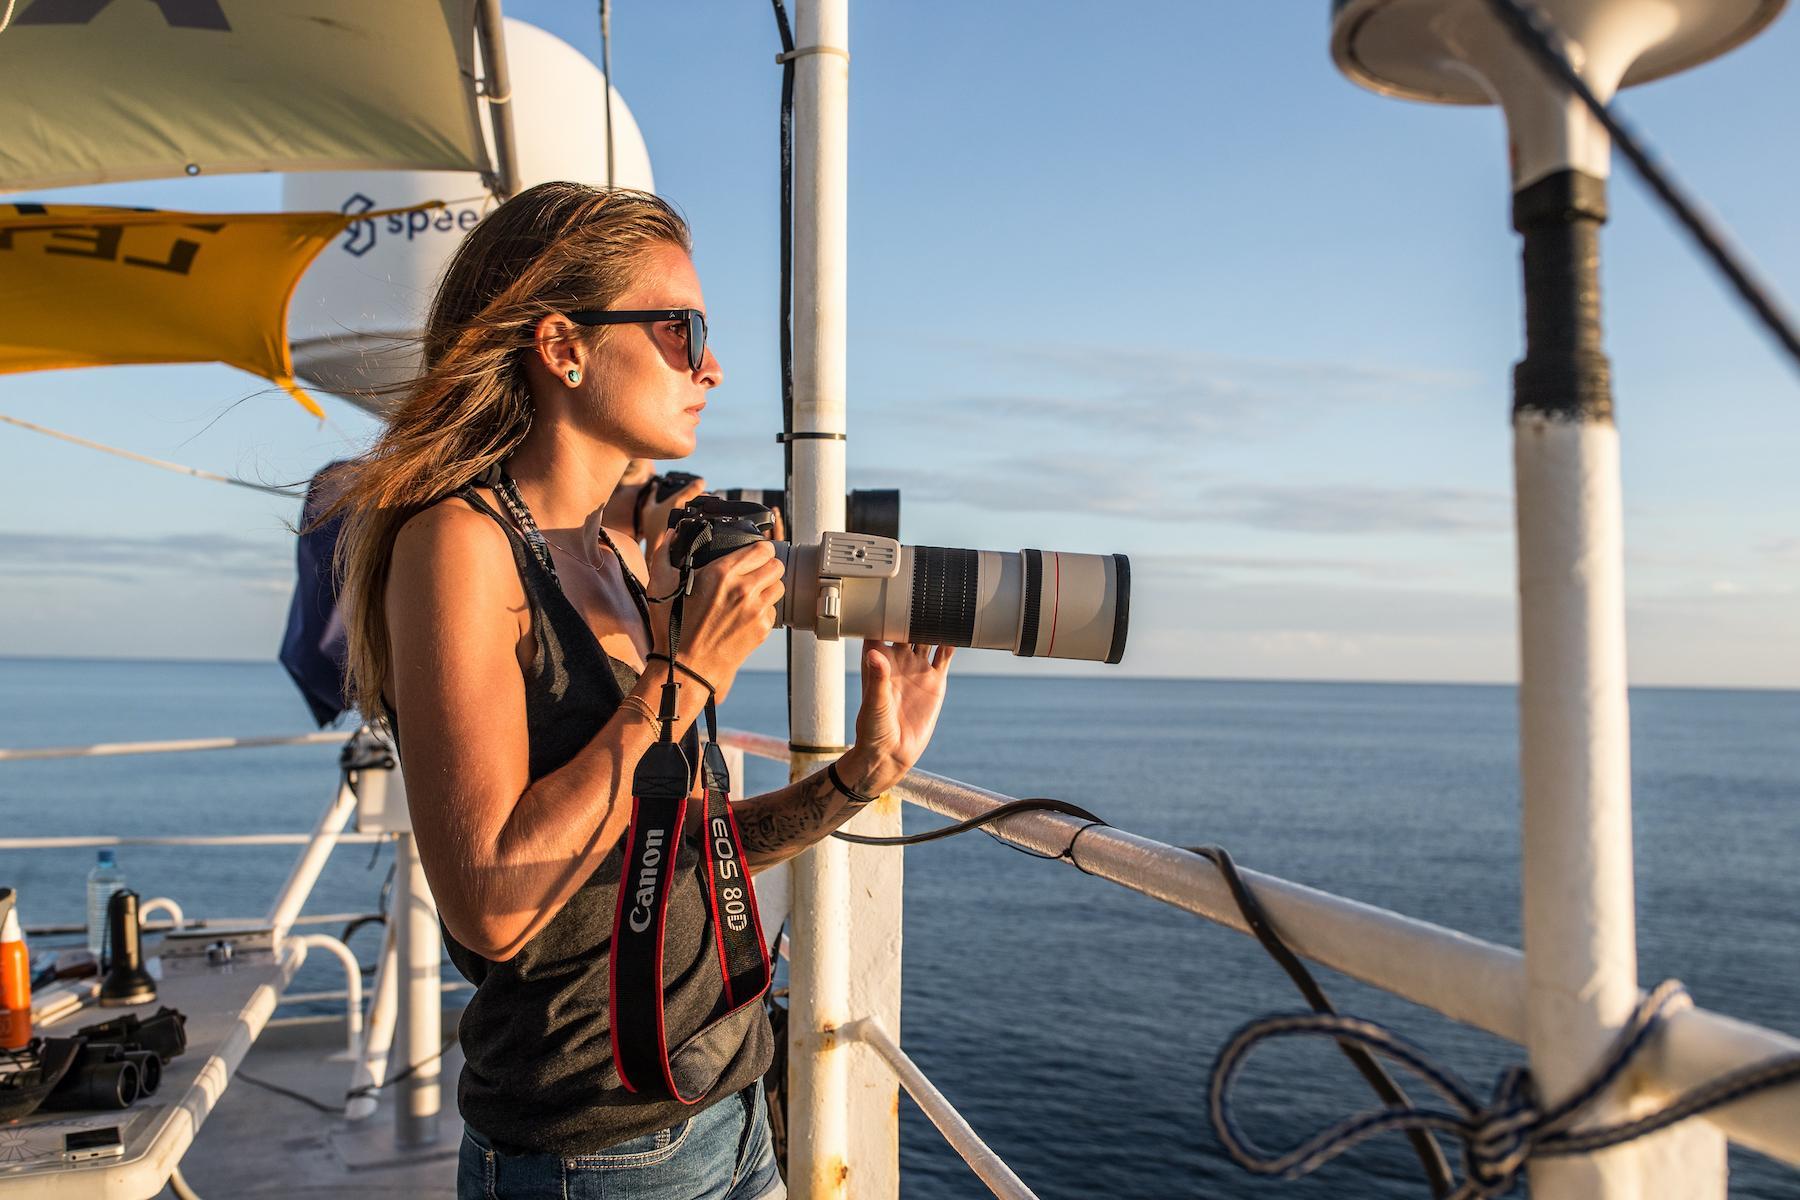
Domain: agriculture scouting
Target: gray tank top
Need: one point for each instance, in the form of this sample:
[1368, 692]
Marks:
[538, 1073]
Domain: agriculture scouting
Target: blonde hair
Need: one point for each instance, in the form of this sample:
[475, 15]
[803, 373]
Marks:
[551, 248]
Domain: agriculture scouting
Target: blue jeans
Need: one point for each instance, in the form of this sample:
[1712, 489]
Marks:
[721, 1153]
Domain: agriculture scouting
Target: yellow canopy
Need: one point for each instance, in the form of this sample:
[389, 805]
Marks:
[93, 91]
[88, 286]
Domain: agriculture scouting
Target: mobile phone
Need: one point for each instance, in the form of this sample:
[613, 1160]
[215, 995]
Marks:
[80, 1145]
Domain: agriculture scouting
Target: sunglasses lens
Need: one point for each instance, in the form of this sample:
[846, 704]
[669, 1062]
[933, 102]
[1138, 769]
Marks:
[696, 340]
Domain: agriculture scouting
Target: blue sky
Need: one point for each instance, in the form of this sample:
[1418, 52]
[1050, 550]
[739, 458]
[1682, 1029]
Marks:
[1159, 282]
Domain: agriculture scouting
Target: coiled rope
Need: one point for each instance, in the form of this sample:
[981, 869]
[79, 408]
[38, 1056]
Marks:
[1498, 1137]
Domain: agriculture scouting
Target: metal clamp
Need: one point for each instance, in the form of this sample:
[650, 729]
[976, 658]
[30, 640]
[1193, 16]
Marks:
[803, 51]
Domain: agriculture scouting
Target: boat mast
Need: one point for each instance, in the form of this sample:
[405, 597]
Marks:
[842, 1108]
[1574, 734]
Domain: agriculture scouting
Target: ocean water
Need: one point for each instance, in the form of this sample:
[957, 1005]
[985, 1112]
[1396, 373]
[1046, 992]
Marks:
[1071, 1021]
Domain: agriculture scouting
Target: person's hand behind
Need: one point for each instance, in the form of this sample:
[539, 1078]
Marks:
[653, 517]
[729, 612]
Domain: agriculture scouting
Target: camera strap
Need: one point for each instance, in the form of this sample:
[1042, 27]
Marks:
[648, 1065]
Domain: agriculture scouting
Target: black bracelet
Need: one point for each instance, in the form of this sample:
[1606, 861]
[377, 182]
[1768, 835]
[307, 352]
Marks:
[837, 781]
[685, 670]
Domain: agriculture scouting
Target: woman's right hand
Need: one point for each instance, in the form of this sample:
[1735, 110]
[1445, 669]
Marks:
[729, 612]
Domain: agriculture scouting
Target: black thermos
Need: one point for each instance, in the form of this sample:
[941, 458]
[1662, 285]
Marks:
[126, 982]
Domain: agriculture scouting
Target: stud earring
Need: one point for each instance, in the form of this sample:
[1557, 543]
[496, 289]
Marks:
[574, 376]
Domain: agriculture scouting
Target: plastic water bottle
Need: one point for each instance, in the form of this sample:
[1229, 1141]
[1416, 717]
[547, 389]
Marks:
[103, 881]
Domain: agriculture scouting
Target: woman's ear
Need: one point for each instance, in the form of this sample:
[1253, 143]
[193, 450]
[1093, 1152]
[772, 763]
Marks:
[559, 348]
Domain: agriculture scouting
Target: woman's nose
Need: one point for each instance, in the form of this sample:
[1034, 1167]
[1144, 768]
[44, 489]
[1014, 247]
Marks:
[711, 373]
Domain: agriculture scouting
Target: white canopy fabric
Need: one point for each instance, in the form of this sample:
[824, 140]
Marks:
[97, 91]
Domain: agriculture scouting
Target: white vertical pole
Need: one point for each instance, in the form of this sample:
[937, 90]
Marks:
[1579, 924]
[1580, 941]
[818, 1146]
[419, 950]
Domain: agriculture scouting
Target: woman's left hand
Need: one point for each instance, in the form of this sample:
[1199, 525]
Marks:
[902, 694]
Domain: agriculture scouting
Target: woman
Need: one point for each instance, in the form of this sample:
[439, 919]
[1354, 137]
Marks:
[498, 626]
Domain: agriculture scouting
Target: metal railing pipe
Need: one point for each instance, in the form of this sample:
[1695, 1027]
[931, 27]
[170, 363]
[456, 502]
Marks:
[182, 746]
[198, 923]
[226, 839]
[447, 986]
[176, 917]
[353, 1012]
[370, 1071]
[1470, 980]
[989, 1167]
[292, 897]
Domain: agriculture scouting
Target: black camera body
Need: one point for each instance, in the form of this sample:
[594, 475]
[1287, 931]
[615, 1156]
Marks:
[708, 528]
[866, 510]
[668, 483]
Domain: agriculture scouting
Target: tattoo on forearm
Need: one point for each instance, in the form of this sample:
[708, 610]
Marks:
[792, 818]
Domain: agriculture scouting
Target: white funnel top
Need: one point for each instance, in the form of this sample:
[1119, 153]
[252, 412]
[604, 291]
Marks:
[361, 306]
[1418, 49]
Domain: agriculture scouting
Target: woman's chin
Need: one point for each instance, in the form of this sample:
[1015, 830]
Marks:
[678, 444]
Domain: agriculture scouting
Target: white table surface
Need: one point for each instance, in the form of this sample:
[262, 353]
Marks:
[226, 1007]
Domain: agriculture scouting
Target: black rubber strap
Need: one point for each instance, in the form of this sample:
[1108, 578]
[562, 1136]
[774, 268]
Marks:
[685, 670]
[812, 435]
[837, 781]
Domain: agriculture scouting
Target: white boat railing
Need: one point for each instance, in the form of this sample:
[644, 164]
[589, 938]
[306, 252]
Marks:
[179, 746]
[1465, 978]
[989, 1167]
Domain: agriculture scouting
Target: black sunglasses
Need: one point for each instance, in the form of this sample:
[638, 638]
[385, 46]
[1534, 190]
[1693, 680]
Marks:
[696, 324]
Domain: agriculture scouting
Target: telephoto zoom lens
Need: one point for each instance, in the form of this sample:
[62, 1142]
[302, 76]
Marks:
[1035, 603]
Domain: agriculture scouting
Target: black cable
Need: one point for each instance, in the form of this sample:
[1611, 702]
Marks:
[786, 33]
[290, 1093]
[358, 922]
[1034, 804]
[1535, 31]
[787, 241]
[371, 1088]
[352, 1094]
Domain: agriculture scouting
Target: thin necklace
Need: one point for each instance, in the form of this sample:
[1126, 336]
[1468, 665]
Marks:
[540, 544]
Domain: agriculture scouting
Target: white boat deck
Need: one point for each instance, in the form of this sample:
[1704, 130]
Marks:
[230, 1136]
[260, 1143]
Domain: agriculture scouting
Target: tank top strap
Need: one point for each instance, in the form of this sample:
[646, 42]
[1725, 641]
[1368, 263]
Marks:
[521, 552]
[555, 624]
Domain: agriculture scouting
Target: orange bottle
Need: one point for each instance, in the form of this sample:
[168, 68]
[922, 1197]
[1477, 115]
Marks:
[15, 978]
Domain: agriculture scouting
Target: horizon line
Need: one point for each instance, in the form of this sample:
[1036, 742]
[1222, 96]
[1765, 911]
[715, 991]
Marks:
[1135, 678]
